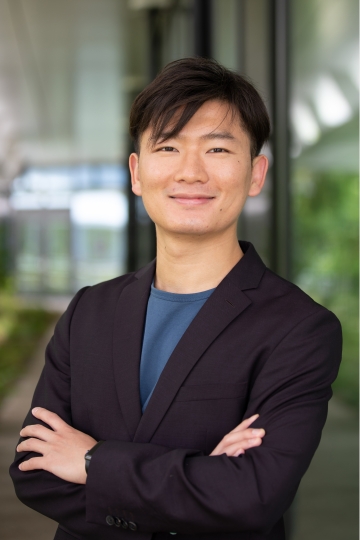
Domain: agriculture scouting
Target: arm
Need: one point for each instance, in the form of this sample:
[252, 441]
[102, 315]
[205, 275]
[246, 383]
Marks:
[61, 449]
[58, 499]
[48, 470]
[166, 489]
[190, 493]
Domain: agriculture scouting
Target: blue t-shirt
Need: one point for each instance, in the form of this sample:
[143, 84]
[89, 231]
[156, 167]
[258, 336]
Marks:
[168, 316]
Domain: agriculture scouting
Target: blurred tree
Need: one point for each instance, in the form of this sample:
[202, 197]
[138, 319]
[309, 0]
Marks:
[4, 262]
[20, 330]
[326, 262]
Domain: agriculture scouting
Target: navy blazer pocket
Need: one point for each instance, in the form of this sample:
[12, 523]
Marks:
[201, 392]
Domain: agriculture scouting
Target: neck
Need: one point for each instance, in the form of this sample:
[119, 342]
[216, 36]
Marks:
[187, 265]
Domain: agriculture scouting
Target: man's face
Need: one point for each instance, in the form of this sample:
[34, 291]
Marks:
[197, 182]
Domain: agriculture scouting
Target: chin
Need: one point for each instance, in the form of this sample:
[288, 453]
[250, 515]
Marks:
[196, 229]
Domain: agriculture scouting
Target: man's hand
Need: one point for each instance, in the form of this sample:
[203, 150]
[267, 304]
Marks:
[240, 439]
[63, 448]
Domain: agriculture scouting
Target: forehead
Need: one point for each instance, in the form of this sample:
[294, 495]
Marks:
[213, 116]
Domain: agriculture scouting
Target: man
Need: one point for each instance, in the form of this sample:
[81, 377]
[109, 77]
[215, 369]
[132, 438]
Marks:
[154, 372]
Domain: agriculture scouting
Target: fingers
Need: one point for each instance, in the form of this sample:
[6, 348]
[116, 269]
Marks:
[32, 445]
[234, 450]
[38, 431]
[242, 436]
[32, 464]
[246, 423]
[50, 418]
[232, 447]
[240, 439]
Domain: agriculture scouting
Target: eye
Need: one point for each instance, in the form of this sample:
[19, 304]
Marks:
[167, 149]
[217, 150]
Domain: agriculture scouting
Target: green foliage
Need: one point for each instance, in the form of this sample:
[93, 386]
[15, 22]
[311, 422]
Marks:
[4, 255]
[326, 258]
[20, 330]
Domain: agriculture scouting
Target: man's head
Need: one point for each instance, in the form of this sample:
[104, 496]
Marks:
[183, 87]
[198, 130]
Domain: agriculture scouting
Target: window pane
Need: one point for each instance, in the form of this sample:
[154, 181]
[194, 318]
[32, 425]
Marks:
[324, 116]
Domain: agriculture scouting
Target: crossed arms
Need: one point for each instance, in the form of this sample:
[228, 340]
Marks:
[63, 448]
[178, 489]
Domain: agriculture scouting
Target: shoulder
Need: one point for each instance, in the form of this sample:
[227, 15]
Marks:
[112, 286]
[103, 297]
[275, 301]
[289, 313]
[287, 293]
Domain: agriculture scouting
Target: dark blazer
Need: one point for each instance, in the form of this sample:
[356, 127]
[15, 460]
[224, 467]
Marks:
[258, 345]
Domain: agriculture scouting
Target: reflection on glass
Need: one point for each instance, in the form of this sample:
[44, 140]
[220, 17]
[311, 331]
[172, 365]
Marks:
[324, 113]
[58, 263]
[71, 227]
[28, 256]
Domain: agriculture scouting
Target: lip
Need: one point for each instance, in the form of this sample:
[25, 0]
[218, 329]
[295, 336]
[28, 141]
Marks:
[191, 199]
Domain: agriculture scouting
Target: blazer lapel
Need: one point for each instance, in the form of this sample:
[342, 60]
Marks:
[224, 305]
[127, 342]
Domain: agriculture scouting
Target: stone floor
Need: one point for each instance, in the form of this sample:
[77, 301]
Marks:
[18, 522]
[326, 507]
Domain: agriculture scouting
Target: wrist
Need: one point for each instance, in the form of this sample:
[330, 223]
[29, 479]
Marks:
[89, 455]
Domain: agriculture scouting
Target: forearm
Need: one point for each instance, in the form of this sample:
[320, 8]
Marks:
[64, 502]
[61, 500]
[184, 491]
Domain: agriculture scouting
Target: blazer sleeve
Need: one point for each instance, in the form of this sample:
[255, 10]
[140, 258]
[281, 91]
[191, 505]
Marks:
[61, 501]
[181, 491]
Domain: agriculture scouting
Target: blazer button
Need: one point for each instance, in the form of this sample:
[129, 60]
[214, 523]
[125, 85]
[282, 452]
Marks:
[124, 524]
[132, 526]
[117, 522]
[110, 520]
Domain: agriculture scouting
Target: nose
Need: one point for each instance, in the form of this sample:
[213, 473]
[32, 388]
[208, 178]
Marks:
[191, 169]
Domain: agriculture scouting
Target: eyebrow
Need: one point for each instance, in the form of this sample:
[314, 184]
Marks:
[225, 135]
[218, 135]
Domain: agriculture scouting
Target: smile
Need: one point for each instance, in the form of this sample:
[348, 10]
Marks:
[193, 200]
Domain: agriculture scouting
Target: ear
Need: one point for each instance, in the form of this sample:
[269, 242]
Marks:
[134, 173]
[260, 166]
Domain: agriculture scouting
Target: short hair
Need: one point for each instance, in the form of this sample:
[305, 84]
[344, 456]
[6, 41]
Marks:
[184, 86]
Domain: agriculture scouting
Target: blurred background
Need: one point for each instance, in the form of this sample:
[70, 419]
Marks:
[69, 71]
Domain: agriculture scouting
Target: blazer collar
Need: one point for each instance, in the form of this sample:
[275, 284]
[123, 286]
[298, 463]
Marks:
[129, 323]
[223, 306]
[247, 273]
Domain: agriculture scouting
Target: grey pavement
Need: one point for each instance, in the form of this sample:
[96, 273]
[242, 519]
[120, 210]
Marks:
[17, 521]
[326, 507]
[327, 504]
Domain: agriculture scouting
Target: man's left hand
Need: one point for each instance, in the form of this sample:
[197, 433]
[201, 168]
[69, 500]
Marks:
[63, 448]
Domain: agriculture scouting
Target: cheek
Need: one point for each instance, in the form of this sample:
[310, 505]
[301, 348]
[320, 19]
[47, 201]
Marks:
[152, 178]
[235, 184]
[152, 186]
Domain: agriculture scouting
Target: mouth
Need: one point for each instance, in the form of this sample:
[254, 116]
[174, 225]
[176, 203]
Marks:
[192, 199]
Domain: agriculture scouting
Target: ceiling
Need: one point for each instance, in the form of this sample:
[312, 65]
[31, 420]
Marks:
[64, 81]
